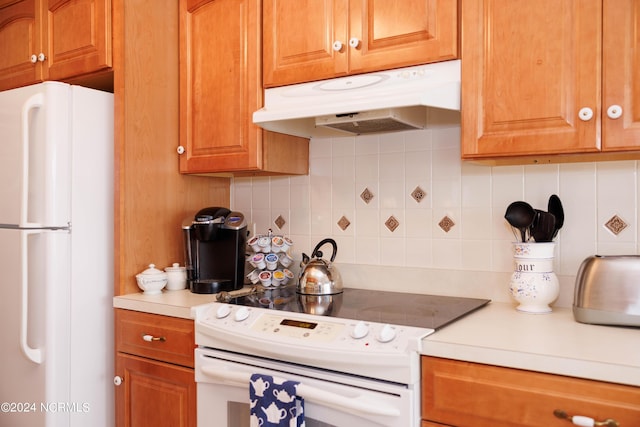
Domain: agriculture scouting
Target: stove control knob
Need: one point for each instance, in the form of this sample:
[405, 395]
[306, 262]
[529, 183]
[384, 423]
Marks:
[360, 330]
[242, 314]
[387, 333]
[223, 311]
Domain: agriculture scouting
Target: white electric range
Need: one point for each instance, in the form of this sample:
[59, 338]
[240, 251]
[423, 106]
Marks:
[355, 354]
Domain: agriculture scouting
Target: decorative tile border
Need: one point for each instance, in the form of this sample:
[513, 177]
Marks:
[280, 222]
[616, 225]
[418, 194]
[392, 223]
[343, 223]
[446, 224]
[366, 196]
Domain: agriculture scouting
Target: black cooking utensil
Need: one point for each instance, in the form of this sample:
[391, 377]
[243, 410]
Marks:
[520, 215]
[555, 208]
[543, 227]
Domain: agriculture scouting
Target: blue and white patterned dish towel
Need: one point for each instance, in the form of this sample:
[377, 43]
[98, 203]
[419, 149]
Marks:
[274, 402]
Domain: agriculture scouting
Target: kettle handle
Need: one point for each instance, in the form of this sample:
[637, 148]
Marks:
[305, 260]
[317, 253]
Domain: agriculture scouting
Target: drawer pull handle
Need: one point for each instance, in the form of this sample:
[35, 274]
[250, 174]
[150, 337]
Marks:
[580, 420]
[151, 338]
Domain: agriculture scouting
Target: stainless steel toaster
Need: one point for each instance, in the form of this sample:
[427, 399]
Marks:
[607, 291]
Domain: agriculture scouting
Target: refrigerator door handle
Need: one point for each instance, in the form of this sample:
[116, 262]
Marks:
[33, 354]
[35, 101]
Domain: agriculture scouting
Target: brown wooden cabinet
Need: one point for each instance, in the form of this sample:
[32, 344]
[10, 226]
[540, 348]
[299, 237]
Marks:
[151, 197]
[151, 200]
[306, 40]
[464, 394]
[220, 88]
[155, 383]
[538, 78]
[53, 40]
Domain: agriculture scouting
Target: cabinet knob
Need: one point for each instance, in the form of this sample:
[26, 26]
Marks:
[180, 149]
[41, 57]
[34, 58]
[117, 380]
[583, 421]
[337, 45]
[585, 114]
[354, 42]
[614, 111]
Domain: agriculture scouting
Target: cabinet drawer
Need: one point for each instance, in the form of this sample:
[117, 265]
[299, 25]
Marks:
[469, 394]
[164, 338]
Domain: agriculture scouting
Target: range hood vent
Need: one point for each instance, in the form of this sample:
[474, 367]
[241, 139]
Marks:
[379, 102]
[387, 120]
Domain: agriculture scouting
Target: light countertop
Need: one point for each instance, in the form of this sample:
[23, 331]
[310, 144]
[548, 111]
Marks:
[496, 334]
[169, 303]
[554, 343]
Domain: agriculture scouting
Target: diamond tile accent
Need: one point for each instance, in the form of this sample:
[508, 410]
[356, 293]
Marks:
[392, 223]
[446, 224]
[343, 223]
[366, 195]
[418, 194]
[280, 222]
[616, 225]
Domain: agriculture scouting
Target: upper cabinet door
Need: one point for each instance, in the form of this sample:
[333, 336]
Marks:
[219, 84]
[621, 75]
[304, 40]
[307, 40]
[20, 41]
[78, 37]
[221, 87]
[391, 34]
[531, 77]
[53, 40]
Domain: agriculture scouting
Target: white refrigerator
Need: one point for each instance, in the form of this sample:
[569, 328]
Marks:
[56, 256]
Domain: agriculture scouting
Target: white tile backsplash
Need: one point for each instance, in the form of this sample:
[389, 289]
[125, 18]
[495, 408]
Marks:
[473, 196]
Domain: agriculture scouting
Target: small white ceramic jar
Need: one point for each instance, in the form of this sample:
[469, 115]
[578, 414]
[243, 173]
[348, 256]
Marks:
[176, 277]
[151, 280]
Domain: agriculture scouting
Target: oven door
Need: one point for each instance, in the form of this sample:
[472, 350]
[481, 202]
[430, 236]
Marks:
[330, 398]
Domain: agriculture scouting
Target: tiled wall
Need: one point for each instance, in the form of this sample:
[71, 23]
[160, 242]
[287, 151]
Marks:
[360, 187]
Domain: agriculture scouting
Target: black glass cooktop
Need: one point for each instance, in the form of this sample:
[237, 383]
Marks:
[424, 311]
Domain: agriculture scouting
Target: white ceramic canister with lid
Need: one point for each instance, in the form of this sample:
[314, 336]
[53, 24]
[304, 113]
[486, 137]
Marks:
[151, 281]
[176, 277]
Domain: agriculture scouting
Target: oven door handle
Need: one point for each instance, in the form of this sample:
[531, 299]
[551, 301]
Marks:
[309, 393]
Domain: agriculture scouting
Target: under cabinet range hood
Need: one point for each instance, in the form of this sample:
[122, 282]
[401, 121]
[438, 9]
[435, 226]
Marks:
[378, 102]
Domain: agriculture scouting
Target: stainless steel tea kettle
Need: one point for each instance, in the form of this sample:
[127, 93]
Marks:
[318, 276]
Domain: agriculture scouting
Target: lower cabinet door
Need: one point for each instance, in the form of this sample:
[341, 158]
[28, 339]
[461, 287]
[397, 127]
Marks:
[152, 393]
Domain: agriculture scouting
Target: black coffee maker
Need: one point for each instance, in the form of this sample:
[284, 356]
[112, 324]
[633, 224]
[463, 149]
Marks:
[214, 246]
